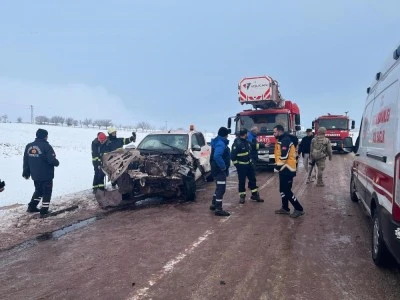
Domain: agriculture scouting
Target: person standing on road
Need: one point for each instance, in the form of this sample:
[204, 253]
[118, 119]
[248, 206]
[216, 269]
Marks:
[97, 151]
[240, 156]
[114, 143]
[220, 162]
[285, 159]
[304, 151]
[39, 162]
[255, 145]
[321, 149]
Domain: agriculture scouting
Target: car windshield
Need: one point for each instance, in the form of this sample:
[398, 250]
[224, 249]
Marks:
[164, 142]
[265, 123]
[333, 123]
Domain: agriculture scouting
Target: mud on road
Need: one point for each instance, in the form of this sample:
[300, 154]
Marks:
[182, 251]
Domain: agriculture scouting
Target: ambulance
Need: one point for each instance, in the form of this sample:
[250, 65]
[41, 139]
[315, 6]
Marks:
[375, 173]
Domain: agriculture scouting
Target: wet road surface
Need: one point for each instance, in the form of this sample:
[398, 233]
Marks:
[183, 251]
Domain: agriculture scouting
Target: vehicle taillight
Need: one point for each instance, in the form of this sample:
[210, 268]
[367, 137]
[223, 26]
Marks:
[396, 192]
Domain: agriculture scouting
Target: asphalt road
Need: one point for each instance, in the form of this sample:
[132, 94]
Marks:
[182, 251]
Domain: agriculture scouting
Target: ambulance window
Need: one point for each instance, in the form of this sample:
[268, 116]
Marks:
[200, 139]
[197, 140]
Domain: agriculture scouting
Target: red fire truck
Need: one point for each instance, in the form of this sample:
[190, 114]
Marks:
[269, 109]
[337, 131]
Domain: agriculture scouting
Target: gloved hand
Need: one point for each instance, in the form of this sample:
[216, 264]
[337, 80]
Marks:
[133, 137]
[278, 168]
[26, 175]
[2, 185]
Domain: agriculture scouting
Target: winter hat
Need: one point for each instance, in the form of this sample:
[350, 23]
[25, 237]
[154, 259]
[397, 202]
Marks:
[101, 137]
[321, 130]
[242, 131]
[41, 133]
[111, 130]
[223, 131]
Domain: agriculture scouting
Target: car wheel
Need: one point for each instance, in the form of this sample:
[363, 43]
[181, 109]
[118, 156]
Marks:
[353, 195]
[189, 189]
[380, 254]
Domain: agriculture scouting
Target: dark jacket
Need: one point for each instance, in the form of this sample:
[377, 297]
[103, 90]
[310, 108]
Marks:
[240, 154]
[97, 152]
[114, 143]
[305, 145]
[39, 160]
[255, 145]
[220, 155]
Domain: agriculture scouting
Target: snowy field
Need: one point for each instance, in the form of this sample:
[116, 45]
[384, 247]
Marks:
[73, 150]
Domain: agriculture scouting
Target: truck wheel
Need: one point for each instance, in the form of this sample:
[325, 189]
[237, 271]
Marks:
[353, 195]
[189, 189]
[380, 254]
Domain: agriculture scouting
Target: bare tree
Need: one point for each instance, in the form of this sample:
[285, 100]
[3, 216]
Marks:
[143, 125]
[75, 122]
[41, 120]
[97, 123]
[4, 118]
[87, 122]
[57, 120]
[19, 120]
[107, 123]
[69, 121]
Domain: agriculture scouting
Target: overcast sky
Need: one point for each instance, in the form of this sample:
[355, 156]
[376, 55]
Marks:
[180, 61]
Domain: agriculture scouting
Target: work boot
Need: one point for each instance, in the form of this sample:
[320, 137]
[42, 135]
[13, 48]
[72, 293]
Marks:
[32, 209]
[212, 206]
[297, 213]
[242, 199]
[320, 183]
[44, 211]
[219, 211]
[256, 197]
[282, 211]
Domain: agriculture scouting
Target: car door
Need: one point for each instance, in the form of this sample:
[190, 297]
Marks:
[198, 141]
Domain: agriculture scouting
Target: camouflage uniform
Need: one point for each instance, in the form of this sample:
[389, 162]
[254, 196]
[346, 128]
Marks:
[320, 149]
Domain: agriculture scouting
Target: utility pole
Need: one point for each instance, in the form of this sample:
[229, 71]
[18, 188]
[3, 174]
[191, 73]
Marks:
[32, 121]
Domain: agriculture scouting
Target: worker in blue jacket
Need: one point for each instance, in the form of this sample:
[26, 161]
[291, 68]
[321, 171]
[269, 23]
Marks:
[220, 162]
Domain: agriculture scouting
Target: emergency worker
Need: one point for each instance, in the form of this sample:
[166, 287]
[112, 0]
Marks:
[39, 162]
[2, 185]
[252, 138]
[304, 151]
[220, 162]
[321, 148]
[114, 143]
[240, 156]
[285, 158]
[98, 145]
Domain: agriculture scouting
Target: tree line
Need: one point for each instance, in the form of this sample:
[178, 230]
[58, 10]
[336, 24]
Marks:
[71, 122]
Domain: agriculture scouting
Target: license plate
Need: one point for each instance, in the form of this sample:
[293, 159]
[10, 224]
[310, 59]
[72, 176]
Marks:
[333, 144]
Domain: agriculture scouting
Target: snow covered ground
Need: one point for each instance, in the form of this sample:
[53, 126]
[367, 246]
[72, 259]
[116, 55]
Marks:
[72, 147]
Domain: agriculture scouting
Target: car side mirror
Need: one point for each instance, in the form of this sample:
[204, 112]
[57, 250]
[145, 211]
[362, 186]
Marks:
[353, 124]
[196, 148]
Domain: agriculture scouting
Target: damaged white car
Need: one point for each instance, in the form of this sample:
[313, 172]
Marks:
[166, 164]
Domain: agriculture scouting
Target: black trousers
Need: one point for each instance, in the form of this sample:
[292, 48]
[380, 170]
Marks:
[246, 171]
[285, 188]
[43, 191]
[220, 182]
[98, 179]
